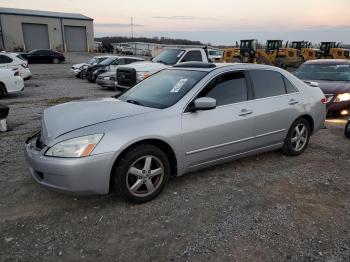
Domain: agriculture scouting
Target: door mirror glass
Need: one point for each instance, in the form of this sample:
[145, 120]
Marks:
[204, 103]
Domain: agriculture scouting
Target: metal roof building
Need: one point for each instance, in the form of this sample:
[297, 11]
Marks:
[25, 30]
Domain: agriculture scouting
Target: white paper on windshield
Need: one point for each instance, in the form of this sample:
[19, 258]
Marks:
[178, 85]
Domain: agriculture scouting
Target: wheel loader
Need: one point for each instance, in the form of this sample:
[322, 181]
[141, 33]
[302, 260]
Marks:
[245, 53]
[332, 50]
[276, 54]
[306, 51]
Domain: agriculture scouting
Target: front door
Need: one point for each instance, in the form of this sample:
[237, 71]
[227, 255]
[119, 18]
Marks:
[222, 132]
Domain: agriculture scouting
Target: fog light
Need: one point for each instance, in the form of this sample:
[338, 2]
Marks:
[344, 112]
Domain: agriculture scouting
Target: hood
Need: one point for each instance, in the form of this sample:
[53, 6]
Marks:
[333, 87]
[78, 66]
[67, 117]
[147, 66]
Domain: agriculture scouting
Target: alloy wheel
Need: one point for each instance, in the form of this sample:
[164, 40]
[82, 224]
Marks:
[299, 137]
[145, 176]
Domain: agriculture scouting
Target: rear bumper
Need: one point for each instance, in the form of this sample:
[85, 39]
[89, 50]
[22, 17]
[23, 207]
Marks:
[78, 176]
[16, 86]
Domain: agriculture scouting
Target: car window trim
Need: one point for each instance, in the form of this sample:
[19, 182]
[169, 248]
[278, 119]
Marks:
[248, 86]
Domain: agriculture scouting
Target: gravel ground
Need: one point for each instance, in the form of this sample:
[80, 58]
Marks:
[264, 208]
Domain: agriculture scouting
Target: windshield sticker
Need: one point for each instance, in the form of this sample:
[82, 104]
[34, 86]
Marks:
[178, 86]
[180, 54]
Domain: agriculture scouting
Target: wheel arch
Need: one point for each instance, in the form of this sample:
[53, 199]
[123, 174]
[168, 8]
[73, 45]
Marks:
[309, 119]
[161, 144]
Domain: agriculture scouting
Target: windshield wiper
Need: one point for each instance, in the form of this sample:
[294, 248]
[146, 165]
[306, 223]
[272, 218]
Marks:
[131, 101]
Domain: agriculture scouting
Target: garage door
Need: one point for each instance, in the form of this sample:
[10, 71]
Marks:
[36, 36]
[75, 38]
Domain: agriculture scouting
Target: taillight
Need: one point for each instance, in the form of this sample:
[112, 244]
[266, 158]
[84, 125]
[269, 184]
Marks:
[324, 100]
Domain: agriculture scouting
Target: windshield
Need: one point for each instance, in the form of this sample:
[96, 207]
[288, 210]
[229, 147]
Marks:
[92, 61]
[169, 56]
[107, 61]
[215, 53]
[330, 72]
[33, 51]
[163, 89]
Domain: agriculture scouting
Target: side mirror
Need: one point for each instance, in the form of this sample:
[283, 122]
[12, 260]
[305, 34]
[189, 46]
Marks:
[204, 103]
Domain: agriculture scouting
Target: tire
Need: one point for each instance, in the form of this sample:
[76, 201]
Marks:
[140, 178]
[347, 130]
[290, 147]
[280, 63]
[55, 61]
[263, 61]
[235, 60]
[2, 90]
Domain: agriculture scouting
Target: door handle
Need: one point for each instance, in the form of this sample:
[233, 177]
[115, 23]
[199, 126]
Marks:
[293, 102]
[245, 112]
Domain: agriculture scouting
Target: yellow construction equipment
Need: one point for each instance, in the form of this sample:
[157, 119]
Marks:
[276, 54]
[332, 50]
[306, 51]
[245, 53]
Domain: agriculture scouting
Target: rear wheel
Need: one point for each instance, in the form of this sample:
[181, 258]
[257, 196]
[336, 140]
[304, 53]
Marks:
[141, 174]
[280, 63]
[263, 61]
[235, 60]
[2, 90]
[298, 138]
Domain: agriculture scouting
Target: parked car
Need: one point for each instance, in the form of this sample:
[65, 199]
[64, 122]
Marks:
[131, 75]
[333, 77]
[215, 55]
[181, 119]
[10, 82]
[17, 62]
[78, 68]
[108, 79]
[110, 64]
[347, 129]
[44, 56]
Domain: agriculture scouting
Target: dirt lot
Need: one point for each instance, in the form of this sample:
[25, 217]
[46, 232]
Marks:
[264, 208]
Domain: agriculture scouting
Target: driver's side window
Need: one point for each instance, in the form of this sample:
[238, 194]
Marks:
[227, 88]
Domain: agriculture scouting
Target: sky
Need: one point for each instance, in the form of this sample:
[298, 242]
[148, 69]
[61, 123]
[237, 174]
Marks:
[215, 22]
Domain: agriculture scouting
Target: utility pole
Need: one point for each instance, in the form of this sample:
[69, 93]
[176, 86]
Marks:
[132, 27]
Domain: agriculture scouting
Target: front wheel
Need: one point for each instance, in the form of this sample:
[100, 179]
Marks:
[56, 61]
[298, 138]
[141, 174]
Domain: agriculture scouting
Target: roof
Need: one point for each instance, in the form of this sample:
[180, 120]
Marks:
[234, 66]
[329, 62]
[27, 12]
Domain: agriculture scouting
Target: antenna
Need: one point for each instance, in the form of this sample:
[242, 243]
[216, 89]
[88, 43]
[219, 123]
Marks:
[132, 27]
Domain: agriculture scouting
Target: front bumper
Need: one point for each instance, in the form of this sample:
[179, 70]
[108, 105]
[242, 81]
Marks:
[75, 72]
[106, 83]
[79, 176]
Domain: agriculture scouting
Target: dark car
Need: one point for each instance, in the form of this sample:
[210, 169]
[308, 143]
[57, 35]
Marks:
[44, 56]
[110, 64]
[333, 77]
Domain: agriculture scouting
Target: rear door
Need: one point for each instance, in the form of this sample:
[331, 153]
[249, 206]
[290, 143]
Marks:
[221, 132]
[276, 105]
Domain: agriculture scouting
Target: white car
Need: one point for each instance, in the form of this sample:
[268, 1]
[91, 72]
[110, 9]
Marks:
[17, 62]
[10, 81]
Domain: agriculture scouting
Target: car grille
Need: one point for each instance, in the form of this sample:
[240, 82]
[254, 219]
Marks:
[126, 76]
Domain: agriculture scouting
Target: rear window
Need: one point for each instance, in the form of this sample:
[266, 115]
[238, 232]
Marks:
[267, 83]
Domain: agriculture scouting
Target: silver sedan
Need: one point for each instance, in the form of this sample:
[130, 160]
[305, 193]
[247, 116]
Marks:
[181, 119]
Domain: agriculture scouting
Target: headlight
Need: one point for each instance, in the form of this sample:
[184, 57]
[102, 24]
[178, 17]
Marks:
[342, 97]
[142, 75]
[106, 78]
[76, 147]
